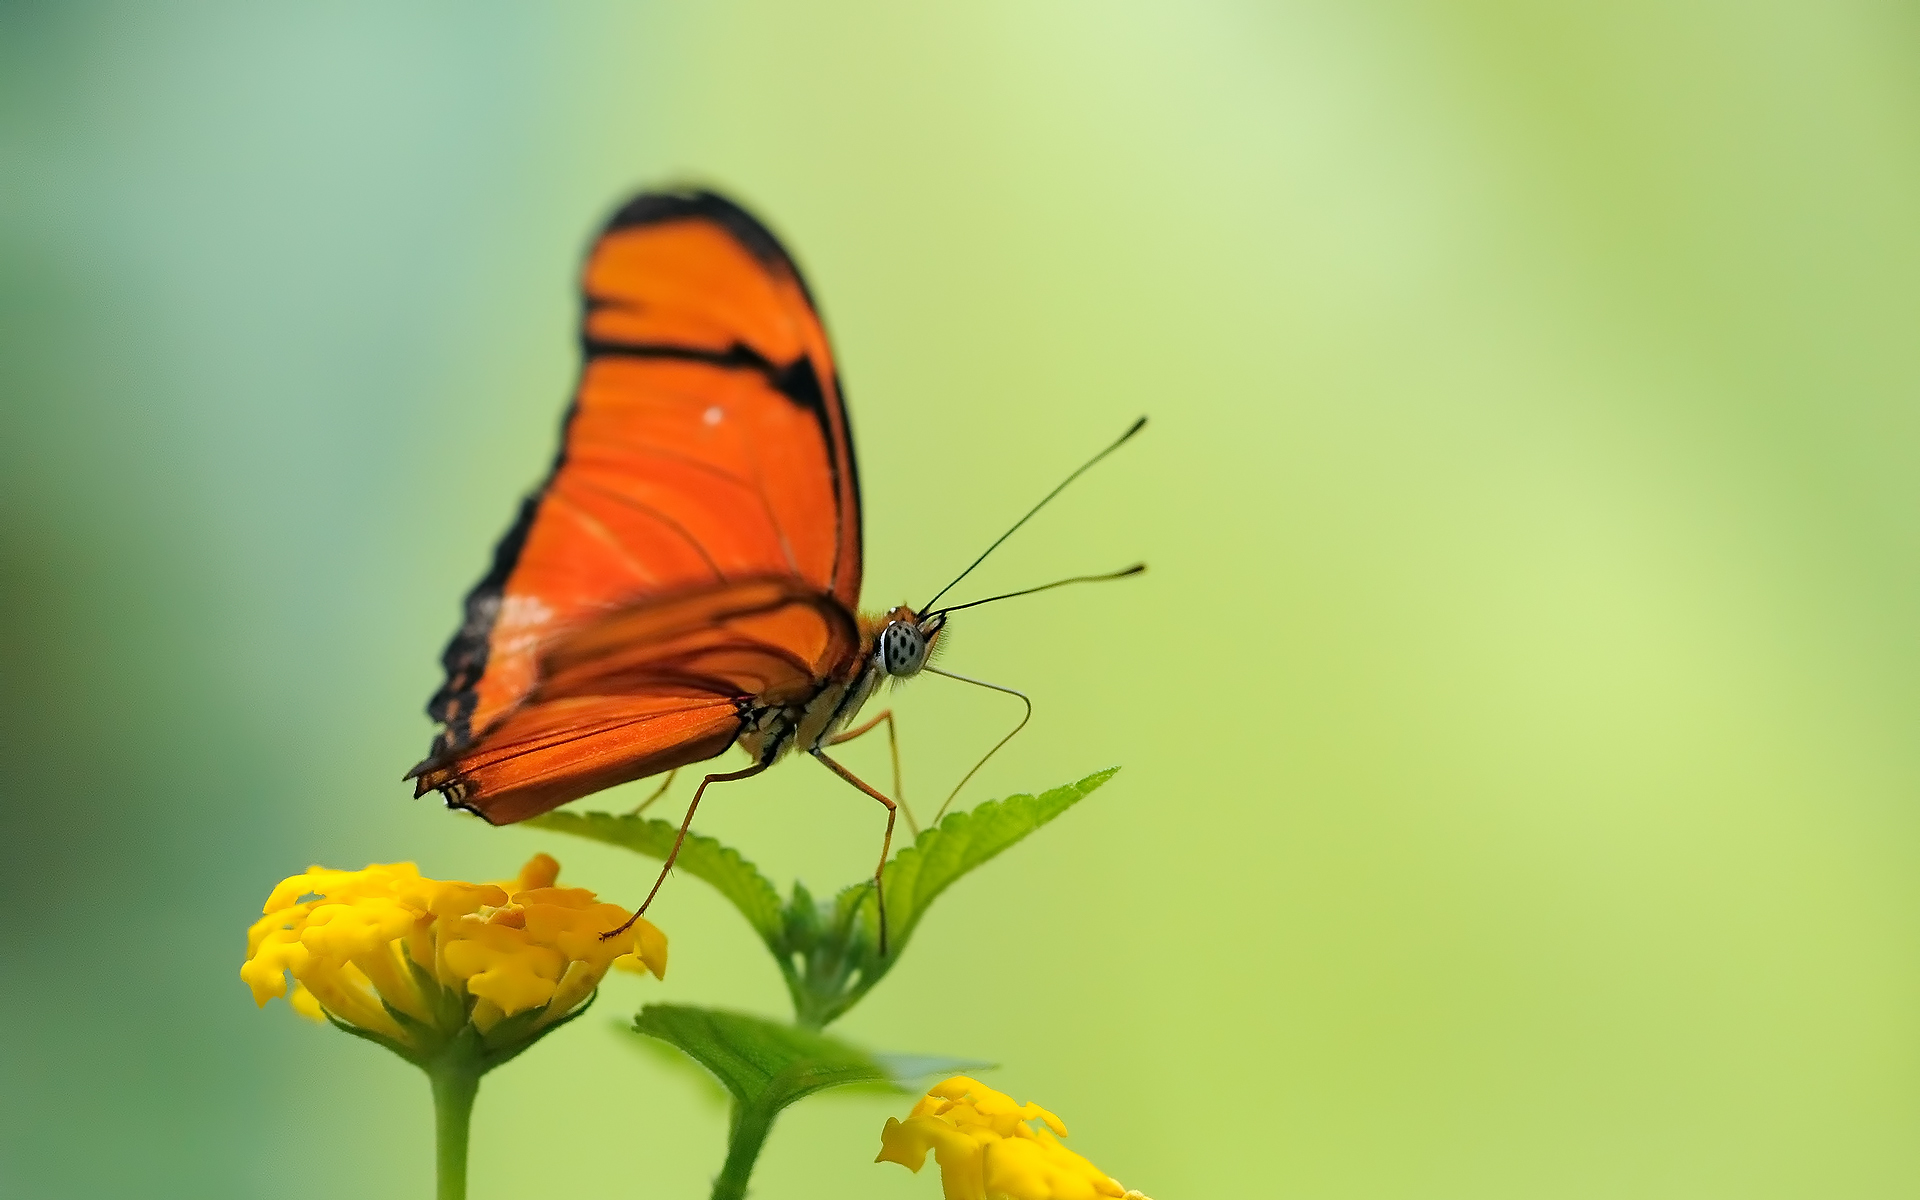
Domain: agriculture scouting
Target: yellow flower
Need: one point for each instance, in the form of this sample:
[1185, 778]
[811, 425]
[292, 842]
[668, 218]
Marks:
[989, 1148]
[413, 962]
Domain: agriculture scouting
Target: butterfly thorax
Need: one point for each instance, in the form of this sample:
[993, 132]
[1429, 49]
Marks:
[774, 729]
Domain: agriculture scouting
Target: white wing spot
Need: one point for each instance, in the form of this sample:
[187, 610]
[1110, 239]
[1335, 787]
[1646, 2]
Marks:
[520, 623]
[712, 415]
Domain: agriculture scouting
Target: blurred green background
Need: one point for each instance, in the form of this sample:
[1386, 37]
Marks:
[1518, 718]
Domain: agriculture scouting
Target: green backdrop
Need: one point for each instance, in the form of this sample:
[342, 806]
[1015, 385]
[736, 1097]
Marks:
[1518, 717]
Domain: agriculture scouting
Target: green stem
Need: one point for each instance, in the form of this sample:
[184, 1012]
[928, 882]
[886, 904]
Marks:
[455, 1083]
[751, 1124]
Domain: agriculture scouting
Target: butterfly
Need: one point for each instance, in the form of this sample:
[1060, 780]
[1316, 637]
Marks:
[687, 577]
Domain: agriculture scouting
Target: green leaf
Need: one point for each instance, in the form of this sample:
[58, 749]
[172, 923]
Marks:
[702, 857]
[670, 1058]
[941, 855]
[764, 1064]
[828, 951]
[831, 958]
[767, 1066]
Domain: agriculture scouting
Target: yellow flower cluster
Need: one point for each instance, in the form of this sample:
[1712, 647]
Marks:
[414, 960]
[989, 1149]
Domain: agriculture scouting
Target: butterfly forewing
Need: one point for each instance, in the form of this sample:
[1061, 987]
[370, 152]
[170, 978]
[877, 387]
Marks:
[706, 447]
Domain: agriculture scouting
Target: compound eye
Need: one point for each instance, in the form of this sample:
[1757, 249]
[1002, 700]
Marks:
[902, 650]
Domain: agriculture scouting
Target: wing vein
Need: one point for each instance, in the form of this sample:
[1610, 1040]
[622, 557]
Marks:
[642, 506]
[766, 506]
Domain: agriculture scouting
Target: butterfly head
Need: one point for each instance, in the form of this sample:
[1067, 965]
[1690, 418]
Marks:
[906, 641]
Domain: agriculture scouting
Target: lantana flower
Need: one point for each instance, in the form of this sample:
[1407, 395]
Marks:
[454, 977]
[990, 1148]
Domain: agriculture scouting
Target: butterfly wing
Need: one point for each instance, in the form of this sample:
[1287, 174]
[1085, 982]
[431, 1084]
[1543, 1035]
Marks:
[657, 685]
[707, 444]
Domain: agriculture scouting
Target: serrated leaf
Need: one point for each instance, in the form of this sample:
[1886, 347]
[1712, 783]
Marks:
[828, 950]
[832, 960]
[702, 857]
[765, 1065]
[674, 1060]
[965, 840]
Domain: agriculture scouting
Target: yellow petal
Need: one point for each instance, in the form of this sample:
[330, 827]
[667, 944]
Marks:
[486, 1014]
[652, 947]
[346, 998]
[273, 923]
[394, 980]
[902, 1142]
[1021, 1170]
[458, 899]
[1048, 1165]
[303, 1003]
[962, 1162]
[289, 890]
[504, 965]
[264, 972]
[1054, 1123]
[513, 990]
[340, 931]
[576, 985]
[541, 871]
[572, 922]
[266, 980]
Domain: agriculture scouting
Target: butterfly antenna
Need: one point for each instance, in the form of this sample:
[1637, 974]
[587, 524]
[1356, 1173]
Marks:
[1135, 569]
[996, 746]
[1136, 427]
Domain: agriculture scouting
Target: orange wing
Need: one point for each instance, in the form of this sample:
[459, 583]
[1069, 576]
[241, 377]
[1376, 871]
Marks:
[645, 689]
[706, 444]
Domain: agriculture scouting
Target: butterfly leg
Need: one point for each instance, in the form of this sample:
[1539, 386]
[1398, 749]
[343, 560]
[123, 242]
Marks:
[658, 792]
[667, 866]
[893, 747]
[886, 842]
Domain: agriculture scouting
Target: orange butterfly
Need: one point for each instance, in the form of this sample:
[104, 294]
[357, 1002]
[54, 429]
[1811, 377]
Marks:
[686, 578]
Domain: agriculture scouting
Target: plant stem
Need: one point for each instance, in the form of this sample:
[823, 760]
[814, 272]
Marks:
[750, 1127]
[455, 1083]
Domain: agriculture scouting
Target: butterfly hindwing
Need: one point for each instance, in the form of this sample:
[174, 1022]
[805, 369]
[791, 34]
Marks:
[668, 681]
